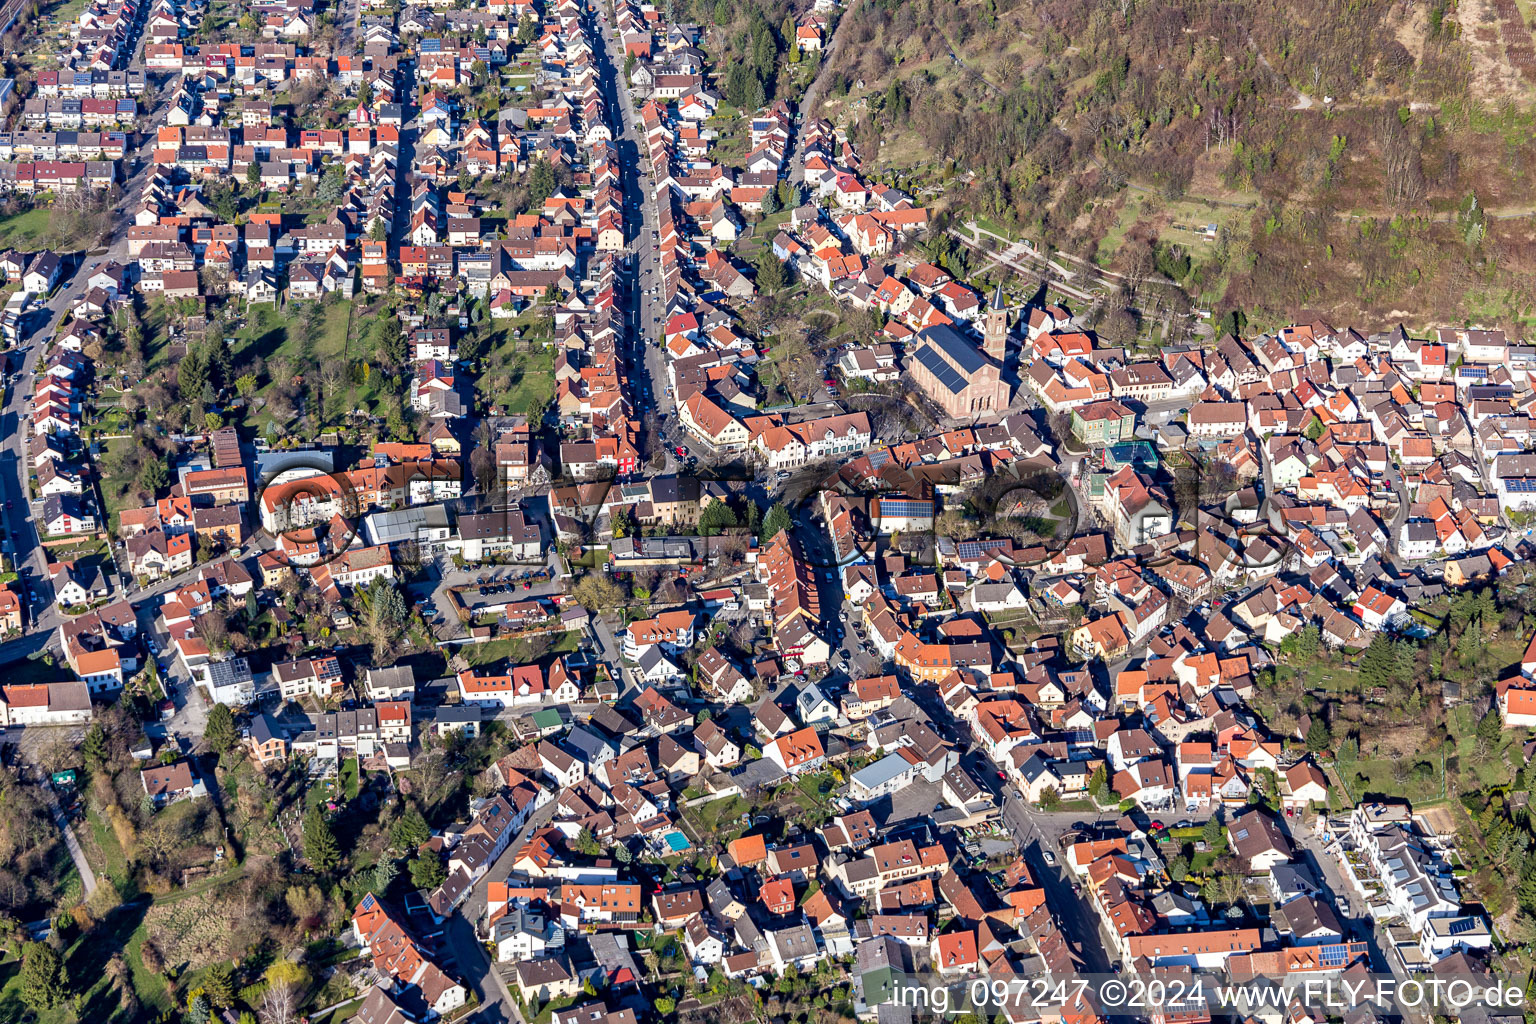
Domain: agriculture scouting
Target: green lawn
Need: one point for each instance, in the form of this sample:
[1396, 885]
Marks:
[109, 859]
[733, 128]
[762, 236]
[117, 492]
[23, 230]
[270, 332]
[349, 773]
[710, 818]
[530, 382]
[86, 960]
[344, 1012]
[517, 651]
[1490, 769]
[1379, 776]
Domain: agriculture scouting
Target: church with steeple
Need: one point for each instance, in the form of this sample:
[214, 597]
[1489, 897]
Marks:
[965, 380]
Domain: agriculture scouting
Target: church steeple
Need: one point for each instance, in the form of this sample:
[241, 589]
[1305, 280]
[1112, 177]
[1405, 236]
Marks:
[994, 330]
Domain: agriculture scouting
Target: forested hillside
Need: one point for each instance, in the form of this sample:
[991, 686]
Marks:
[1371, 161]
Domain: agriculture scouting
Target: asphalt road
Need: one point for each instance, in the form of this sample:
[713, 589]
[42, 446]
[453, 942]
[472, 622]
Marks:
[1356, 920]
[1035, 832]
[644, 297]
[87, 876]
[42, 615]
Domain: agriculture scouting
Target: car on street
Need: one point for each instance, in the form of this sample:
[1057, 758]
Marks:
[1050, 858]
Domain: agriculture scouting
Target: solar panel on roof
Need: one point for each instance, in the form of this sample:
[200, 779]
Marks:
[960, 351]
[951, 380]
[904, 507]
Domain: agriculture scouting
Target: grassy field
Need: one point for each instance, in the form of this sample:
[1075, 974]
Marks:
[272, 333]
[718, 819]
[734, 136]
[750, 247]
[23, 230]
[525, 381]
[1379, 777]
[517, 651]
[103, 851]
[307, 334]
[86, 960]
[1489, 766]
[117, 492]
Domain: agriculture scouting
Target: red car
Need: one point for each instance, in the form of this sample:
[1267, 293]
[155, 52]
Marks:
[681, 451]
[1003, 776]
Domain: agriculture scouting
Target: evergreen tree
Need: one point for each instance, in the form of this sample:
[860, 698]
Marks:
[776, 520]
[220, 732]
[1214, 835]
[1097, 781]
[471, 346]
[771, 274]
[409, 832]
[384, 874]
[94, 747]
[332, 183]
[153, 476]
[1526, 894]
[1469, 646]
[586, 843]
[192, 374]
[1378, 661]
[44, 980]
[1317, 734]
[389, 341]
[1488, 729]
[427, 871]
[541, 183]
[320, 842]
[717, 517]
[219, 983]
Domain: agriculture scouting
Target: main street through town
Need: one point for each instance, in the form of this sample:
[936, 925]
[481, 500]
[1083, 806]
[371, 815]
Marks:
[41, 322]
